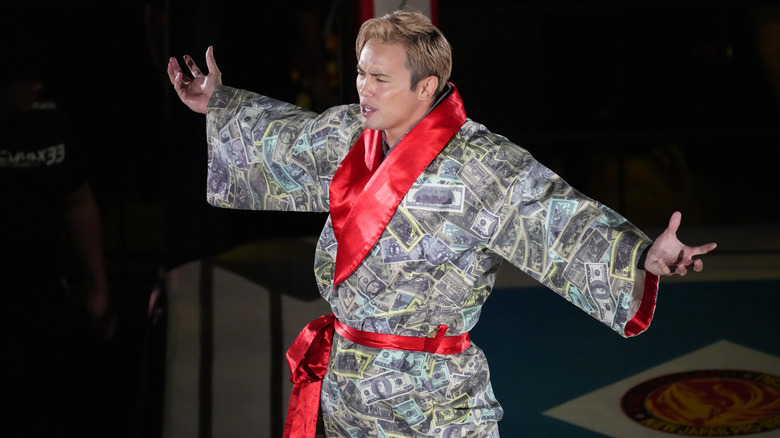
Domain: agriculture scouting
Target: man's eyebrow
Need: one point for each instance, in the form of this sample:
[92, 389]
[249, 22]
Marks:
[360, 69]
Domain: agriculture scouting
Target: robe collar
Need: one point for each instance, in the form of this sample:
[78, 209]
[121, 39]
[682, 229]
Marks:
[367, 187]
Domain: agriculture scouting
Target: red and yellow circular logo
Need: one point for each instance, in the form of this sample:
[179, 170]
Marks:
[707, 403]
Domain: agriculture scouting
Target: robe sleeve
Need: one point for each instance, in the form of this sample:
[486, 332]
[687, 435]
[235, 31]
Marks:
[575, 246]
[264, 154]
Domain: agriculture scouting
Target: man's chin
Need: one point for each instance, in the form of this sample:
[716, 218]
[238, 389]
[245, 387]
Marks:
[369, 125]
[371, 122]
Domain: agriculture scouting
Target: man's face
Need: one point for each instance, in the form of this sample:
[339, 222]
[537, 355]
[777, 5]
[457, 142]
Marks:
[387, 101]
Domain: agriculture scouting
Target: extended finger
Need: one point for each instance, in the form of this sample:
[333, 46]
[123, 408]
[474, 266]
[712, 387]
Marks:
[173, 68]
[703, 249]
[192, 66]
[674, 222]
[175, 71]
[211, 62]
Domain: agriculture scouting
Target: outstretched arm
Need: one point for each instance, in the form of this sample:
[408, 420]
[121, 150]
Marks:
[669, 256]
[195, 91]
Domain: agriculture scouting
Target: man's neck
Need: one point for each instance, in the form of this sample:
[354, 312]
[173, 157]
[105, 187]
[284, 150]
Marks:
[388, 143]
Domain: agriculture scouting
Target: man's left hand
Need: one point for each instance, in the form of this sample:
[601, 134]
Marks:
[668, 256]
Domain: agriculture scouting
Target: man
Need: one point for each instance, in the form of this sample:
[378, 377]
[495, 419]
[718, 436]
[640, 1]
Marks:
[45, 196]
[424, 206]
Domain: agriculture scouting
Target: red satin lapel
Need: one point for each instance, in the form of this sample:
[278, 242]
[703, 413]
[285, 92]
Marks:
[353, 174]
[365, 191]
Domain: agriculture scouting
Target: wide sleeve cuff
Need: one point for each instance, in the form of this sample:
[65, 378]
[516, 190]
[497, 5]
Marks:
[644, 314]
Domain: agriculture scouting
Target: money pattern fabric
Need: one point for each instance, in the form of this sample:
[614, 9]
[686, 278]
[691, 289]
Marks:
[481, 201]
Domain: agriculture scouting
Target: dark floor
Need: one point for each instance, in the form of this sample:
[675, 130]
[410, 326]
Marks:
[553, 353]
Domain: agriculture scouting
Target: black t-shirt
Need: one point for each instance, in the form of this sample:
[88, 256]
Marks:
[38, 165]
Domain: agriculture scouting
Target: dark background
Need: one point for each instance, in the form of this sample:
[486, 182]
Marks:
[648, 106]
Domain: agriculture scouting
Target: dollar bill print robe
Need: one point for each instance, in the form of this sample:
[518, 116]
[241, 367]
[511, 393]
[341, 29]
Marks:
[481, 201]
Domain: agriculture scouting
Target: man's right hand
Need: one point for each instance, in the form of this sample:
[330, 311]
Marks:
[195, 91]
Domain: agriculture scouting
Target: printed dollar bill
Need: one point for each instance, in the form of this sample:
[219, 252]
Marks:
[394, 429]
[302, 143]
[482, 415]
[258, 181]
[248, 117]
[623, 310]
[411, 412]
[486, 224]
[453, 286]
[439, 252]
[578, 299]
[219, 180]
[449, 170]
[574, 230]
[458, 237]
[623, 258]
[244, 199]
[506, 240]
[477, 297]
[536, 255]
[435, 197]
[405, 229]
[351, 363]
[397, 360]
[556, 280]
[393, 252]
[598, 287]
[454, 411]
[379, 410]
[471, 383]
[278, 172]
[404, 302]
[474, 173]
[558, 215]
[236, 154]
[530, 188]
[593, 249]
[440, 375]
[385, 386]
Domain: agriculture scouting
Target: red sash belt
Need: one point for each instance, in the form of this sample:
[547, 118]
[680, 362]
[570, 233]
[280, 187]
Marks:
[308, 360]
[437, 344]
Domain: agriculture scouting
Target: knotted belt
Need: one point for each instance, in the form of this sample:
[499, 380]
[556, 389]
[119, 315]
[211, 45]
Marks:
[308, 360]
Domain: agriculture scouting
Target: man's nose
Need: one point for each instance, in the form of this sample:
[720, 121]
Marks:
[363, 88]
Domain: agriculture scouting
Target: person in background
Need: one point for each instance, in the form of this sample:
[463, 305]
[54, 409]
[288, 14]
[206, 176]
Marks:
[51, 227]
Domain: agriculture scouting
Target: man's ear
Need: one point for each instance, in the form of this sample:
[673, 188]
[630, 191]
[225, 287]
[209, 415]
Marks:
[427, 87]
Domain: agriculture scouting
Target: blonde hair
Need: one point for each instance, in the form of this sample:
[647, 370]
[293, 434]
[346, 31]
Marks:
[428, 53]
